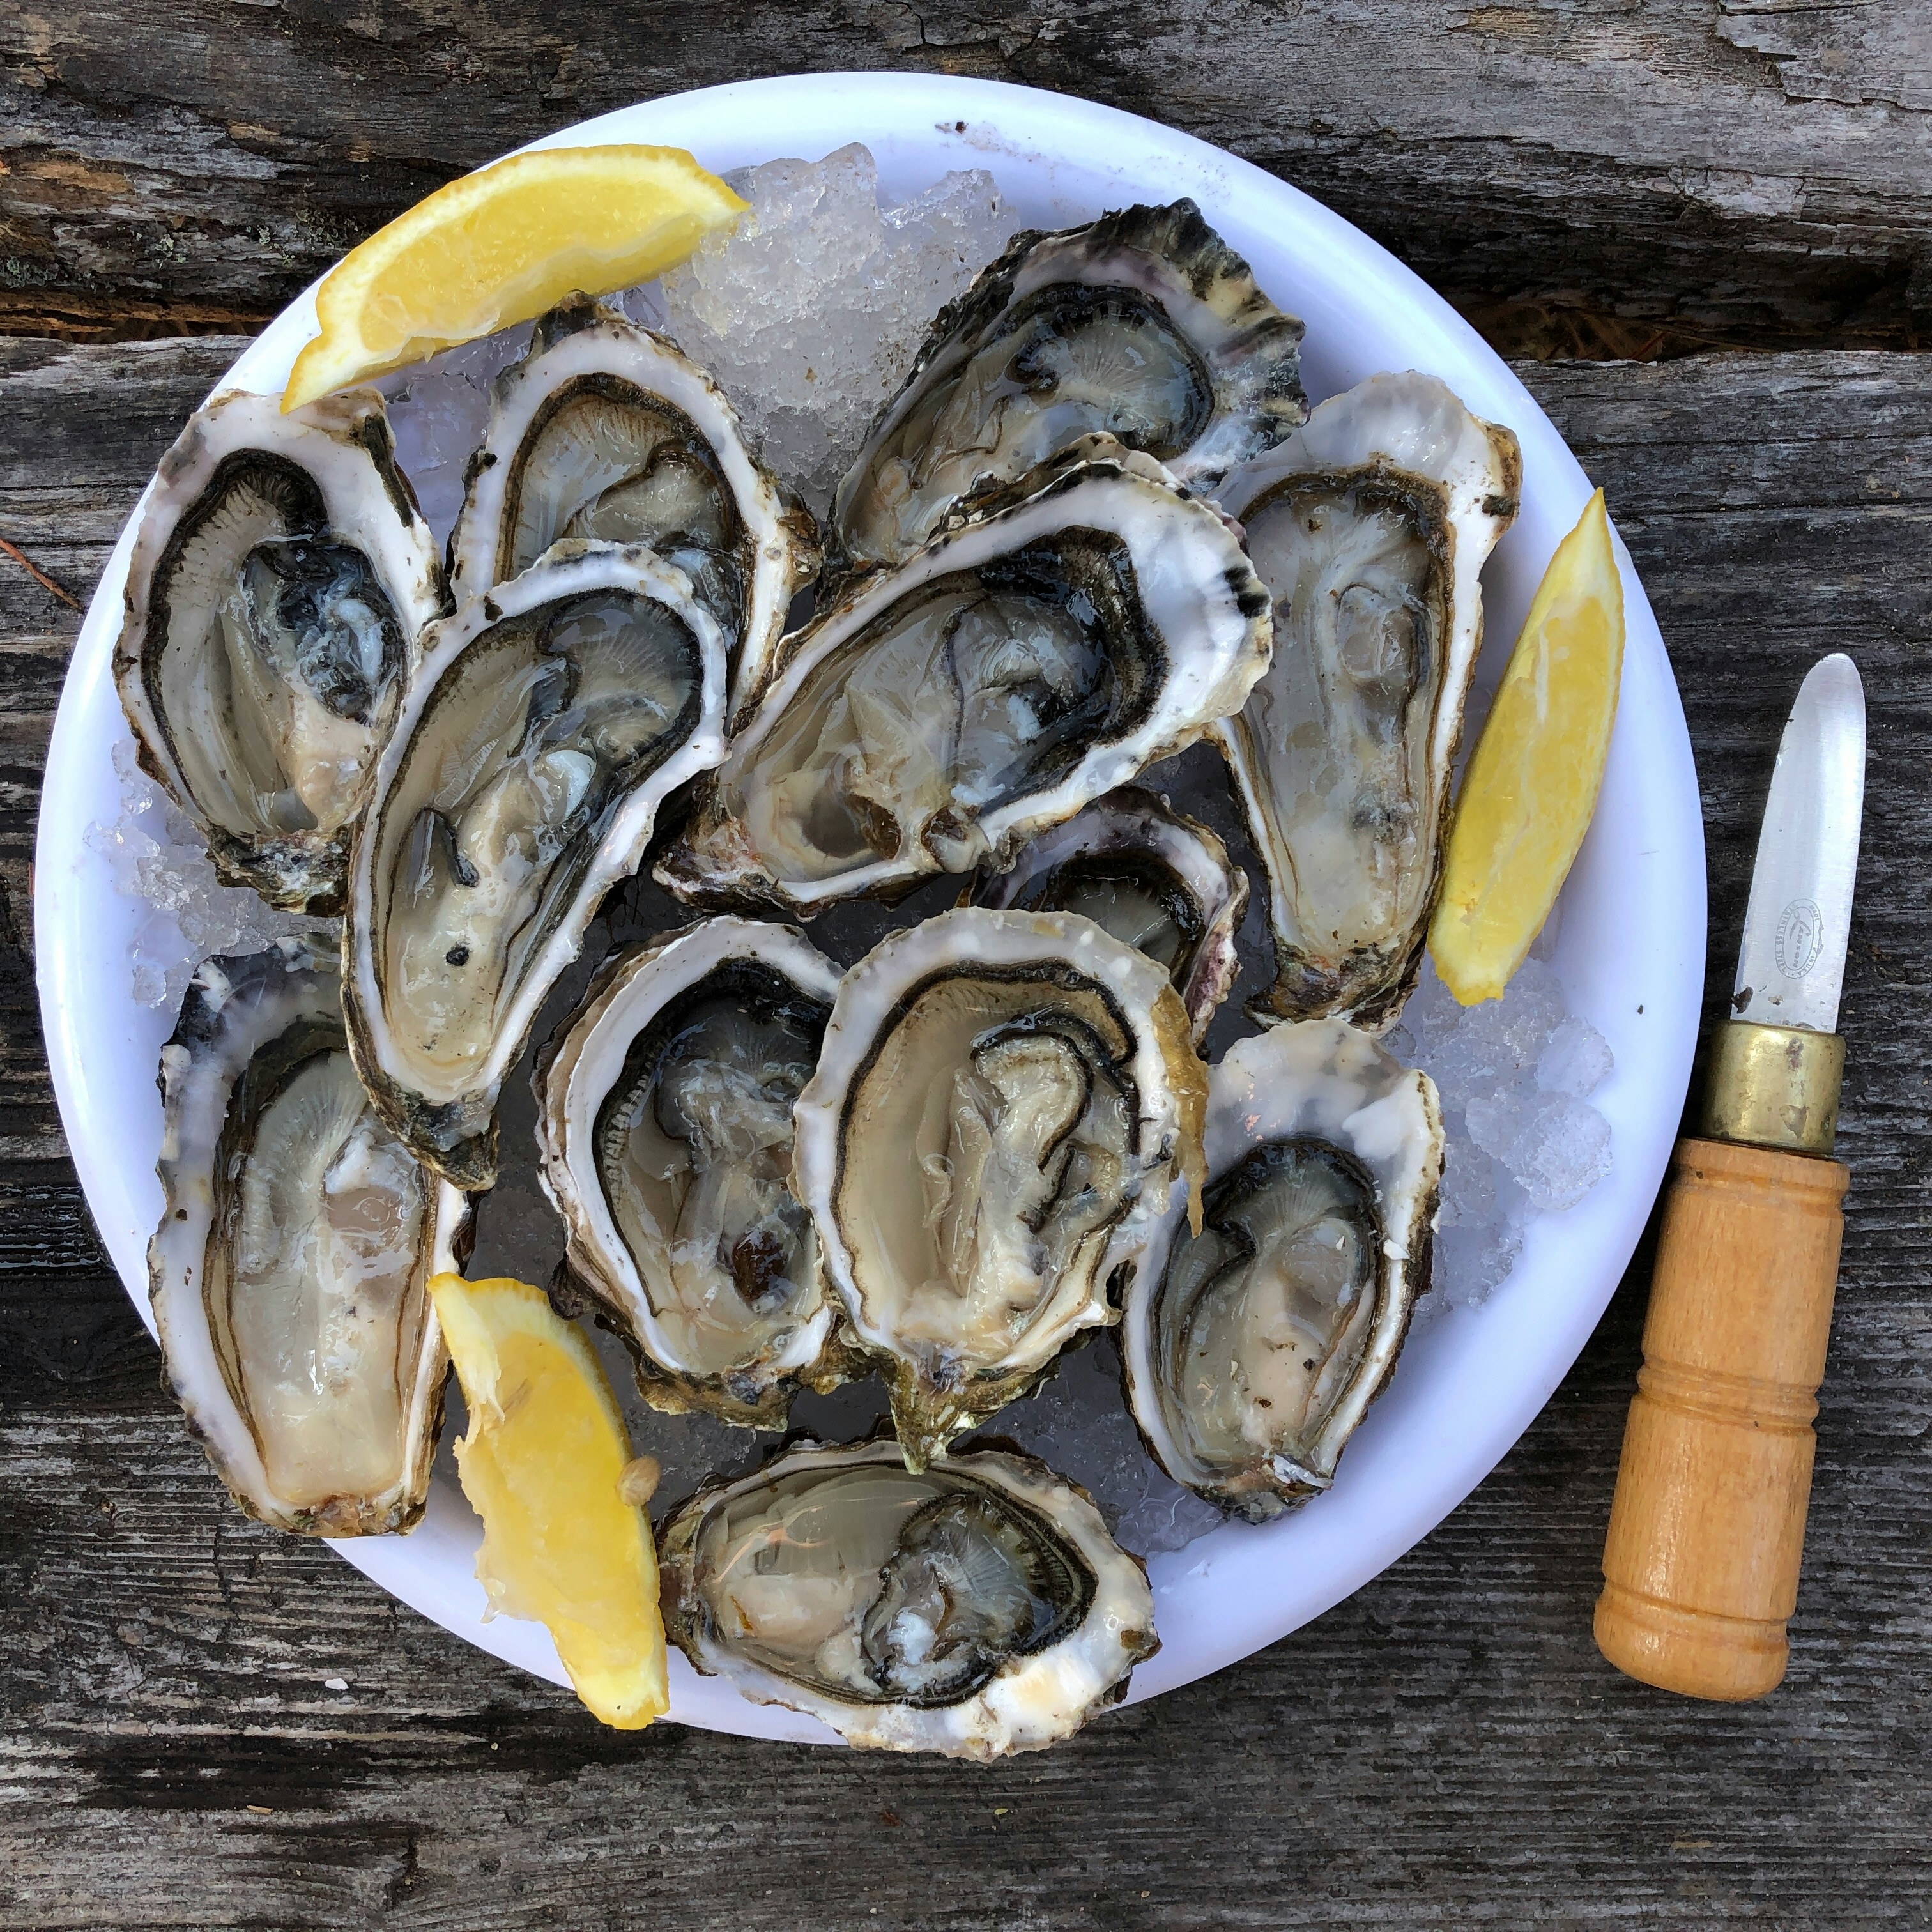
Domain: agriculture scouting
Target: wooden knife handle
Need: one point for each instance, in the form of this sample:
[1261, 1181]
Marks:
[1707, 1530]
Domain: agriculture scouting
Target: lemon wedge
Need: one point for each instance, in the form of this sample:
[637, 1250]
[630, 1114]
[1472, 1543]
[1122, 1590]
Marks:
[546, 1465]
[502, 246]
[1531, 786]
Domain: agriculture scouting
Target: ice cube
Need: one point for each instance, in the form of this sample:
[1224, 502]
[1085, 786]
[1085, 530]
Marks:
[1576, 1060]
[1561, 1150]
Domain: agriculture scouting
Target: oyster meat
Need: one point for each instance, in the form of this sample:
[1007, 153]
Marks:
[1039, 654]
[976, 1609]
[604, 431]
[1148, 875]
[1001, 1102]
[280, 580]
[289, 1270]
[1145, 326]
[1370, 526]
[1252, 1346]
[665, 1131]
[551, 718]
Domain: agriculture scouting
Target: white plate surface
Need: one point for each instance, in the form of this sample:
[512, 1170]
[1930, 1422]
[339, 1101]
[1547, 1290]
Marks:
[1630, 952]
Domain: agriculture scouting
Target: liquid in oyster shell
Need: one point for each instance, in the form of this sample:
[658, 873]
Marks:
[975, 1608]
[1002, 1102]
[1370, 526]
[551, 719]
[1144, 326]
[280, 579]
[665, 1131]
[1253, 1345]
[1037, 654]
[289, 1266]
[606, 432]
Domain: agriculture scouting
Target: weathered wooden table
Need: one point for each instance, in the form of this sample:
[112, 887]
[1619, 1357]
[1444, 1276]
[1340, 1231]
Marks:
[203, 1723]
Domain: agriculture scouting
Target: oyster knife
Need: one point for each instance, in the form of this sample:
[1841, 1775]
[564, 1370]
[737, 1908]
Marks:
[1707, 1530]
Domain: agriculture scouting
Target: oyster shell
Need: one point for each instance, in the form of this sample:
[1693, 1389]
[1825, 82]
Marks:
[289, 1268]
[1143, 324]
[280, 578]
[1001, 1101]
[1035, 656]
[606, 431]
[1370, 526]
[1252, 1346]
[551, 718]
[664, 1133]
[976, 1609]
[1148, 875]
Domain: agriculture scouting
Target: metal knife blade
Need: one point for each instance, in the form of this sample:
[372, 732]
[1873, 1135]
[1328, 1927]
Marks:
[1791, 967]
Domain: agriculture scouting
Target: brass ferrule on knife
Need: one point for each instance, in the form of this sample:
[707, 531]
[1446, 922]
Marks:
[1774, 1086]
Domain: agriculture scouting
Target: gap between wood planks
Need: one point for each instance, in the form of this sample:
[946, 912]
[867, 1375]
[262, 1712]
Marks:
[1537, 331]
[1517, 330]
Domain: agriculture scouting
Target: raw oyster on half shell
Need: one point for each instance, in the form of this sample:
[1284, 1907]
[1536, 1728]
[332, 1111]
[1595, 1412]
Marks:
[551, 718]
[1148, 875]
[1253, 1345]
[976, 1608]
[1370, 526]
[289, 1270]
[280, 578]
[606, 431]
[664, 1133]
[1037, 654]
[1001, 1102]
[1143, 325]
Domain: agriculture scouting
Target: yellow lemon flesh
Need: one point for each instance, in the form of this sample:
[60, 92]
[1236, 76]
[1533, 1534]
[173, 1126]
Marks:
[502, 245]
[1531, 787]
[542, 1464]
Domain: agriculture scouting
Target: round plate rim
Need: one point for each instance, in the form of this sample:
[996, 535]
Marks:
[1630, 950]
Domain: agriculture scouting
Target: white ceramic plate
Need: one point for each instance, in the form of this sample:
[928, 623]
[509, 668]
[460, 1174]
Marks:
[1631, 953]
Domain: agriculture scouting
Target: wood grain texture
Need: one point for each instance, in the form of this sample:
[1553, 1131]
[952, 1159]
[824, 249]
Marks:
[1445, 1749]
[1592, 176]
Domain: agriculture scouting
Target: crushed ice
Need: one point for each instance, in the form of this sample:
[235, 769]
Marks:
[1078, 1422]
[809, 314]
[1515, 1076]
[158, 857]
